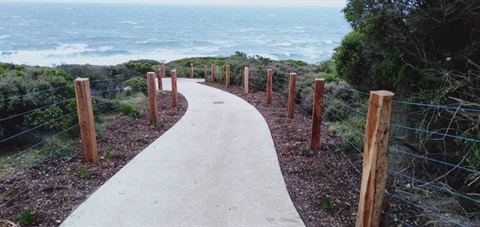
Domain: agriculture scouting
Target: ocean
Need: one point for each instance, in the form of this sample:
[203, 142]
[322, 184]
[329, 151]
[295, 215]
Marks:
[50, 34]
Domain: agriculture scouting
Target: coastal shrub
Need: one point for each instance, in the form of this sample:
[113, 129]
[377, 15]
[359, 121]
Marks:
[32, 96]
[137, 84]
[143, 66]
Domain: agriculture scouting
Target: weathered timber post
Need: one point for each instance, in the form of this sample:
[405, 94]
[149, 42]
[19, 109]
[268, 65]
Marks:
[227, 76]
[375, 161]
[174, 88]
[317, 112]
[152, 98]
[205, 74]
[245, 79]
[159, 78]
[213, 74]
[291, 95]
[191, 70]
[269, 86]
[86, 120]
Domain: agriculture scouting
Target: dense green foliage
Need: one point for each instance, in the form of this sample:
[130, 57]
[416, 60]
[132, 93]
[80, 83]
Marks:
[427, 52]
[27, 105]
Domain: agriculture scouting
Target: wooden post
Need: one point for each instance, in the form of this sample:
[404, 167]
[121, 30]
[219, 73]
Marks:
[205, 74]
[227, 76]
[174, 88]
[152, 98]
[375, 161]
[269, 86]
[159, 78]
[86, 120]
[291, 95]
[245, 79]
[317, 112]
[213, 74]
[191, 70]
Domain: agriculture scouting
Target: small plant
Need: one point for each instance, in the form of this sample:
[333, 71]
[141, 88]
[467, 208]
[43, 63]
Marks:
[327, 202]
[107, 154]
[26, 218]
[296, 138]
[82, 172]
[154, 126]
[303, 151]
[312, 172]
[129, 110]
[164, 120]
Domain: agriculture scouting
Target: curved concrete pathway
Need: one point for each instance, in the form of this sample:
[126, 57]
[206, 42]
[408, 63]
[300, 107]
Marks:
[216, 167]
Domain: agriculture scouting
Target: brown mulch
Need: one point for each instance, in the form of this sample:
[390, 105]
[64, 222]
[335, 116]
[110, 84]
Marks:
[52, 190]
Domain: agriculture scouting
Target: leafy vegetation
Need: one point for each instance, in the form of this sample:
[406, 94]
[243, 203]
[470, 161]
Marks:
[426, 52]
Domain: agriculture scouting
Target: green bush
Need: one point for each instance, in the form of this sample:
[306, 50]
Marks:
[137, 84]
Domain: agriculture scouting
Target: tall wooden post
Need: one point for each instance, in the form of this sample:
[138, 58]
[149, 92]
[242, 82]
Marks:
[191, 70]
[174, 88]
[375, 158]
[159, 78]
[227, 76]
[205, 74]
[213, 74]
[163, 70]
[317, 112]
[269, 86]
[86, 120]
[152, 98]
[291, 94]
[245, 79]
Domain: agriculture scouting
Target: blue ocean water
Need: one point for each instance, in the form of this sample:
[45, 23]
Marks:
[106, 33]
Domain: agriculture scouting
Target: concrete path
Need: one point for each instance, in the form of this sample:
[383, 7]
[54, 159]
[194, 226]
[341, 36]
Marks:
[216, 167]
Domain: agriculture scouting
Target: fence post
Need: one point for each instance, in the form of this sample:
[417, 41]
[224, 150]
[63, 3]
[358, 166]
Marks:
[152, 98]
[245, 79]
[205, 74]
[86, 120]
[174, 88]
[375, 162]
[191, 70]
[317, 112]
[227, 76]
[269, 86]
[291, 94]
[159, 78]
[213, 74]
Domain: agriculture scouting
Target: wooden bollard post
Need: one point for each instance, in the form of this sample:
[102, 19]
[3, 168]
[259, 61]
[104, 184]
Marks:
[245, 79]
[86, 120]
[213, 74]
[227, 76]
[191, 70]
[174, 88]
[205, 74]
[291, 94]
[159, 78]
[375, 158]
[152, 98]
[317, 112]
[269, 86]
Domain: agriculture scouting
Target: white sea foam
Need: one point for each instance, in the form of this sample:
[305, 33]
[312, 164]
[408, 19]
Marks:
[4, 36]
[129, 22]
[63, 55]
